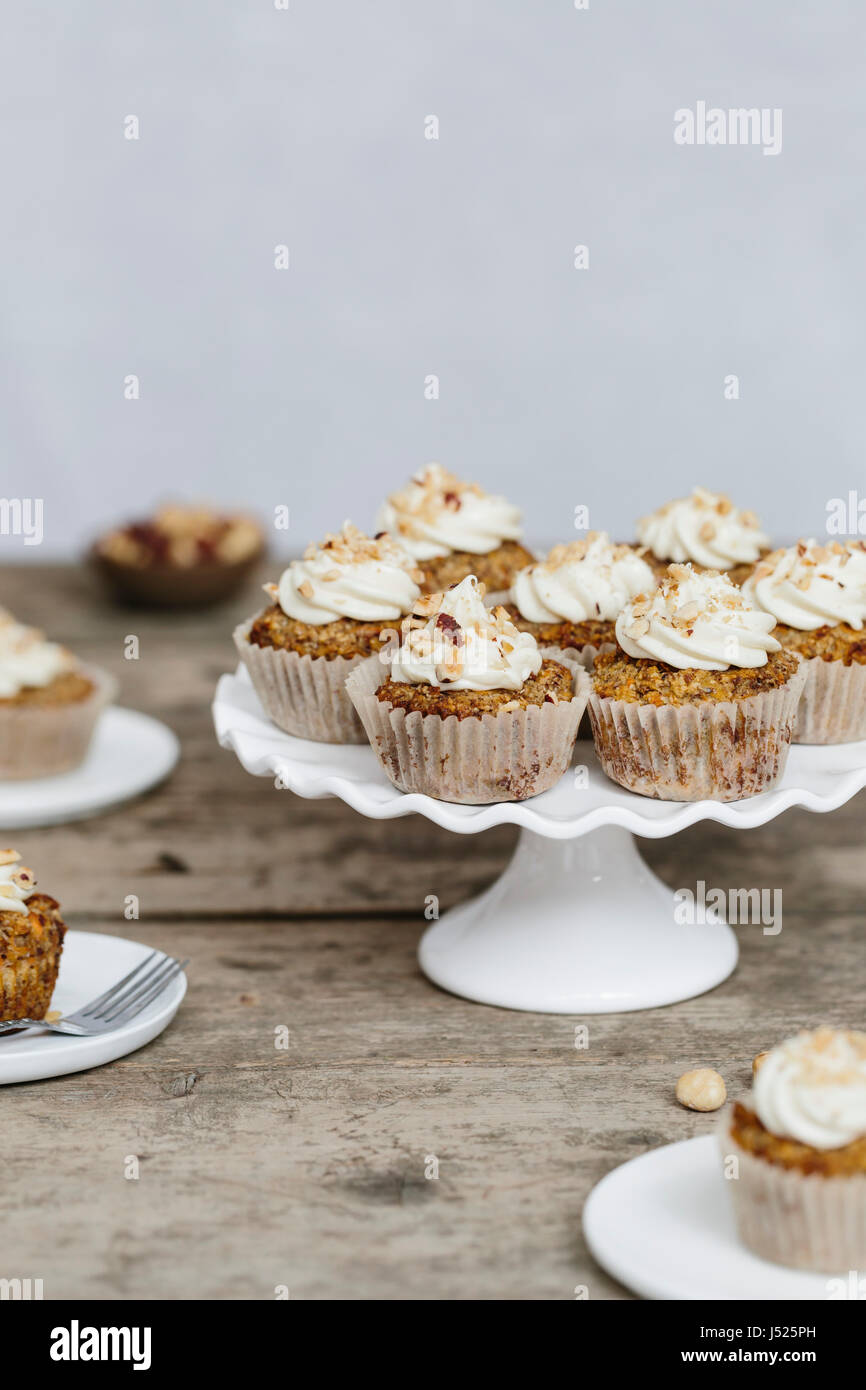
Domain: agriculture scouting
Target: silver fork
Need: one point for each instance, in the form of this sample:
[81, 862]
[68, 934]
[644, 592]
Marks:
[117, 1005]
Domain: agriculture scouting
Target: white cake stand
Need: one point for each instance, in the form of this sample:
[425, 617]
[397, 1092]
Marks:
[577, 923]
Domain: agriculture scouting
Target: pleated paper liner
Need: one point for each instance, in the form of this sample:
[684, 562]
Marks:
[481, 759]
[833, 704]
[716, 750]
[803, 1220]
[46, 740]
[304, 695]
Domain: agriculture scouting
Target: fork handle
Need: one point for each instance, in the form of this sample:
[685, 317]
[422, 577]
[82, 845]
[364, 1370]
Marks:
[15, 1025]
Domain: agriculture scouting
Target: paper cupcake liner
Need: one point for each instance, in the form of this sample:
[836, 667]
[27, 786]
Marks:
[477, 760]
[586, 656]
[45, 740]
[833, 704]
[802, 1220]
[304, 695]
[714, 750]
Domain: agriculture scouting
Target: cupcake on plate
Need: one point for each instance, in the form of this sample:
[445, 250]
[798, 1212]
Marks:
[49, 703]
[705, 530]
[471, 709]
[453, 529]
[699, 700]
[31, 942]
[328, 614]
[572, 598]
[800, 1187]
[817, 596]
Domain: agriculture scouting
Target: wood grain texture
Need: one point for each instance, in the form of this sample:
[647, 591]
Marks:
[306, 1167]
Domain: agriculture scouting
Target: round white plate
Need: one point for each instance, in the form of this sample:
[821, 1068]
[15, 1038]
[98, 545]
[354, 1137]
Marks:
[90, 965]
[818, 778]
[663, 1225]
[130, 752]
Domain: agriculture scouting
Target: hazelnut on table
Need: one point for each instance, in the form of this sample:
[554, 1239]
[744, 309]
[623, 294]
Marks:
[701, 1089]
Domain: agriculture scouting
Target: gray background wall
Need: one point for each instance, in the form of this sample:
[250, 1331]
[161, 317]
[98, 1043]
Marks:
[410, 256]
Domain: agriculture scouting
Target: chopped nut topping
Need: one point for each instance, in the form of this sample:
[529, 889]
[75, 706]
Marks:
[427, 605]
[689, 611]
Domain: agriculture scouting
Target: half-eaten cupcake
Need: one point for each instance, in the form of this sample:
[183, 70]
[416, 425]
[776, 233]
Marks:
[699, 701]
[31, 942]
[453, 529]
[472, 710]
[327, 614]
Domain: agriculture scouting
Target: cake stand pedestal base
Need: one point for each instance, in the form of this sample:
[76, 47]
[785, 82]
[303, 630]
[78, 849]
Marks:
[578, 926]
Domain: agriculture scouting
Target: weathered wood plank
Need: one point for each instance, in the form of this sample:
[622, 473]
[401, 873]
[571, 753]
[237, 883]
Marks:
[306, 1166]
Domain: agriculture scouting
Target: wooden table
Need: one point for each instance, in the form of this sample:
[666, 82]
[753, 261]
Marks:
[305, 1166]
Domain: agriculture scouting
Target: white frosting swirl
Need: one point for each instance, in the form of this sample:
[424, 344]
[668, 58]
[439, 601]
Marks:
[437, 514]
[588, 579]
[16, 883]
[348, 576]
[26, 659]
[812, 1088]
[698, 622]
[705, 528]
[810, 585]
[463, 645]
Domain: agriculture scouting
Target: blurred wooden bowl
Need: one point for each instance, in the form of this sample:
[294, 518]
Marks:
[169, 586]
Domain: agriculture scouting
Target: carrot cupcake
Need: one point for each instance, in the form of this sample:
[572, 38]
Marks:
[699, 700]
[471, 710]
[817, 595]
[49, 703]
[799, 1184]
[327, 615]
[705, 530]
[31, 942]
[453, 529]
[572, 598]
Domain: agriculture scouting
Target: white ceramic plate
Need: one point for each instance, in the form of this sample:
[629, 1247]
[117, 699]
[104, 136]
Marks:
[130, 752]
[818, 778]
[90, 964]
[663, 1225]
